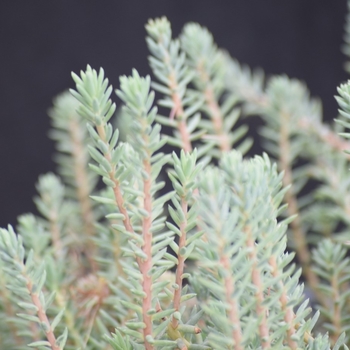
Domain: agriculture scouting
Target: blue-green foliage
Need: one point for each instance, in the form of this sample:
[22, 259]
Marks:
[134, 265]
[27, 282]
[220, 108]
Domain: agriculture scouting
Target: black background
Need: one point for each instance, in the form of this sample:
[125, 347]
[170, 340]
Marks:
[43, 41]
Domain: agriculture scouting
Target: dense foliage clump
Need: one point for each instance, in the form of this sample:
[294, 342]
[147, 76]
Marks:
[199, 248]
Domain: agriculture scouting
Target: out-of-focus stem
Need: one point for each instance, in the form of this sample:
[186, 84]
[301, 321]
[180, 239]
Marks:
[325, 134]
[288, 310]
[217, 118]
[180, 264]
[306, 122]
[9, 313]
[259, 295]
[146, 265]
[56, 234]
[299, 237]
[178, 113]
[233, 313]
[82, 186]
[213, 109]
[336, 319]
[69, 319]
[42, 315]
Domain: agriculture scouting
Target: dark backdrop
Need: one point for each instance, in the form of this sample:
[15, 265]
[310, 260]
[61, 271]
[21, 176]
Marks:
[43, 41]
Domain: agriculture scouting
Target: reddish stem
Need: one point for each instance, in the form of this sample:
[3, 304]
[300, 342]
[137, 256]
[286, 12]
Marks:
[337, 318]
[259, 295]
[214, 108]
[233, 314]
[117, 191]
[289, 315]
[180, 264]
[82, 187]
[217, 118]
[146, 265]
[181, 123]
[299, 237]
[42, 316]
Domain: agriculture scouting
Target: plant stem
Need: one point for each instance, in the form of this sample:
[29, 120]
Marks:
[213, 108]
[144, 265]
[56, 234]
[289, 315]
[69, 319]
[337, 318]
[41, 313]
[217, 119]
[82, 187]
[299, 237]
[323, 132]
[147, 249]
[9, 311]
[180, 264]
[117, 191]
[259, 295]
[178, 113]
[233, 314]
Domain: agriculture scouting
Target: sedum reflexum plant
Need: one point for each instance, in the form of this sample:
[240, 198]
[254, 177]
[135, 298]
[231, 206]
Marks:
[136, 247]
